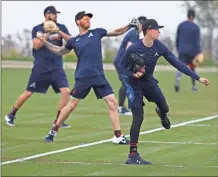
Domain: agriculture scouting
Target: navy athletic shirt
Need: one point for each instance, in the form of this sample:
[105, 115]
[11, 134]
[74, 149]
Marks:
[150, 56]
[188, 39]
[131, 36]
[44, 59]
[88, 51]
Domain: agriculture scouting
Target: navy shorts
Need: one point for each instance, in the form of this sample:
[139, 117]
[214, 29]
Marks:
[99, 84]
[151, 93]
[185, 58]
[40, 82]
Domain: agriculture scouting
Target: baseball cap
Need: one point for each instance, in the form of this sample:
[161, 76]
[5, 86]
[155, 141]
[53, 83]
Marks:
[150, 24]
[142, 19]
[50, 9]
[81, 14]
[191, 13]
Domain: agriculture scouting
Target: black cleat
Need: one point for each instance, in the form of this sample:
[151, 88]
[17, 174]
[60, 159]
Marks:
[136, 160]
[177, 88]
[165, 120]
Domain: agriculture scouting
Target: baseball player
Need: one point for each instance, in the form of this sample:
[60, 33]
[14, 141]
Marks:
[89, 73]
[131, 37]
[48, 67]
[137, 65]
[188, 47]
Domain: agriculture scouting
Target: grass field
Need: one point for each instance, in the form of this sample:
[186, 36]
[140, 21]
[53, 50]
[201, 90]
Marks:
[183, 151]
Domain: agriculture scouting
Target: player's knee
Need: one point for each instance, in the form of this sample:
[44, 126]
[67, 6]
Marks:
[73, 103]
[65, 91]
[28, 94]
[112, 104]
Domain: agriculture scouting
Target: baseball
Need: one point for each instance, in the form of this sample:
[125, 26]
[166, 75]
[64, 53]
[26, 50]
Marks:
[39, 34]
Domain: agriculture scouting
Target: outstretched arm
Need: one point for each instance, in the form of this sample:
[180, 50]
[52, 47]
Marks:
[118, 31]
[134, 23]
[174, 61]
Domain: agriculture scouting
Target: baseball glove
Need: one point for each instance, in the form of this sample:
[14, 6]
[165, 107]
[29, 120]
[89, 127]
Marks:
[134, 23]
[50, 27]
[198, 59]
[136, 63]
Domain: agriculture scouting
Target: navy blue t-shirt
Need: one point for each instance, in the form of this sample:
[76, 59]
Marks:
[151, 56]
[88, 51]
[131, 36]
[44, 59]
[188, 39]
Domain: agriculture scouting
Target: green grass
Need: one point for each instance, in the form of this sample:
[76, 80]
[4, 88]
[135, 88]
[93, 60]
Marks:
[90, 123]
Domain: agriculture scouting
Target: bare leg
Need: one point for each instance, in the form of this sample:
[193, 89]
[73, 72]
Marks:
[65, 92]
[65, 112]
[113, 113]
[20, 101]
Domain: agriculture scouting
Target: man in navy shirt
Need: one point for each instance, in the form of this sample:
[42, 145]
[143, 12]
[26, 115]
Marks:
[131, 37]
[48, 67]
[89, 72]
[188, 46]
[144, 84]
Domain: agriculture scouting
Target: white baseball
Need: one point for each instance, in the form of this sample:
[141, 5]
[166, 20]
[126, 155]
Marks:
[39, 34]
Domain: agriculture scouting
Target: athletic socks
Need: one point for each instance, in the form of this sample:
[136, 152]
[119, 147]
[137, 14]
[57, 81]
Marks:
[58, 113]
[133, 148]
[55, 128]
[117, 133]
[13, 111]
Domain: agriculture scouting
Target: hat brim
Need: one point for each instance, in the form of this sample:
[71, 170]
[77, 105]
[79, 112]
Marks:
[159, 27]
[88, 14]
[56, 12]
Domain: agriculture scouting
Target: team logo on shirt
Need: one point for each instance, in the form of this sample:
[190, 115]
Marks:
[77, 39]
[156, 54]
[90, 34]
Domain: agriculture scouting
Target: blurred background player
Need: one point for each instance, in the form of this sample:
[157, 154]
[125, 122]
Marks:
[89, 73]
[131, 37]
[188, 47]
[48, 67]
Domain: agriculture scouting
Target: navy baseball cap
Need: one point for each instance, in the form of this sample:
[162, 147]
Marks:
[50, 9]
[142, 19]
[150, 24]
[81, 14]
